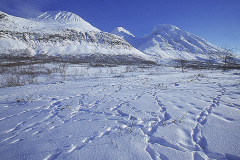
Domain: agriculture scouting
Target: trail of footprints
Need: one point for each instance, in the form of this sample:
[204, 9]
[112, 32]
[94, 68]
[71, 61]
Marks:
[124, 122]
[197, 136]
[52, 110]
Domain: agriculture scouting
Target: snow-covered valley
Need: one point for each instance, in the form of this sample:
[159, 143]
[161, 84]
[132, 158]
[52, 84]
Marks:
[125, 112]
[70, 91]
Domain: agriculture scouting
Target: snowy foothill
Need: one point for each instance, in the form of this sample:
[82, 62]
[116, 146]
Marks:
[124, 112]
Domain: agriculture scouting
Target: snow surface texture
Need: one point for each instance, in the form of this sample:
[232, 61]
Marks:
[169, 42]
[59, 33]
[156, 113]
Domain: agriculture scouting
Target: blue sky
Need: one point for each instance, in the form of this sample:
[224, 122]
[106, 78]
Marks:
[217, 21]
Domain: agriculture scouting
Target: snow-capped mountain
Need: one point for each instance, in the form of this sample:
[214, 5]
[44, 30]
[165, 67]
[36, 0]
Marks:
[61, 34]
[66, 34]
[169, 42]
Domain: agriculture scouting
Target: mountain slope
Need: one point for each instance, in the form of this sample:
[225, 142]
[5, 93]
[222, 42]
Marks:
[169, 42]
[48, 35]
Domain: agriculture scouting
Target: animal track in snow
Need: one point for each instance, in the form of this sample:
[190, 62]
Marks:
[198, 138]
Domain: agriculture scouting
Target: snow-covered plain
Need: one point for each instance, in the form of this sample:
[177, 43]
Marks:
[123, 113]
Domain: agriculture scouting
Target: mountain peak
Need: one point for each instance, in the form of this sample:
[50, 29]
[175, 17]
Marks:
[60, 16]
[120, 31]
[164, 27]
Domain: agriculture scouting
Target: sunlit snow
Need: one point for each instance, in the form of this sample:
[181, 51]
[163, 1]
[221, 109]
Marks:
[123, 113]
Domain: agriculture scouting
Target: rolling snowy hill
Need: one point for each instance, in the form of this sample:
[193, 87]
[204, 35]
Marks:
[169, 42]
[63, 34]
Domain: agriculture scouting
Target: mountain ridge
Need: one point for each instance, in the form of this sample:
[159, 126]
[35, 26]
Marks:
[65, 33]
